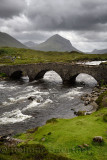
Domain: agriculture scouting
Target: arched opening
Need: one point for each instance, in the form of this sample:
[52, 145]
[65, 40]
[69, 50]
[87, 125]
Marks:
[83, 79]
[86, 79]
[16, 75]
[50, 76]
[40, 75]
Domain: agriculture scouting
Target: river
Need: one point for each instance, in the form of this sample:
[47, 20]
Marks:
[51, 100]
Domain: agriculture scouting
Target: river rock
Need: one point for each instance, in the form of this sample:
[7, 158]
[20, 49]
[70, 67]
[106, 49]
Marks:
[80, 113]
[38, 100]
[94, 98]
[95, 106]
[86, 103]
[10, 141]
[88, 113]
[31, 98]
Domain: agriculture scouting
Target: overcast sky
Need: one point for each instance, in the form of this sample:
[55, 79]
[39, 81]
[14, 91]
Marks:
[83, 22]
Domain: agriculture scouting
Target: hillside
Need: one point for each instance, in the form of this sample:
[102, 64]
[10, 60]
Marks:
[56, 43]
[25, 56]
[9, 41]
[96, 51]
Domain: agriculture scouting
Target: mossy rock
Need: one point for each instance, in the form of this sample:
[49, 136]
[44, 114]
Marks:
[33, 130]
[80, 113]
[53, 120]
[102, 100]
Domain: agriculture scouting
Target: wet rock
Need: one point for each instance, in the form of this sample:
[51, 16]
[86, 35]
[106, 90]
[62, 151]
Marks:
[88, 113]
[10, 141]
[94, 98]
[80, 113]
[31, 98]
[38, 101]
[88, 98]
[98, 139]
[72, 110]
[95, 106]
[86, 103]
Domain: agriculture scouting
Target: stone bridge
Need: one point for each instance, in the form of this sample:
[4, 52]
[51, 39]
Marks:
[68, 72]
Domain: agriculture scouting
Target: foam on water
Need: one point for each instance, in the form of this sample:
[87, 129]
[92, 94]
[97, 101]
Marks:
[92, 62]
[48, 101]
[36, 104]
[3, 86]
[13, 117]
[31, 105]
[23, 97]
[72, 93]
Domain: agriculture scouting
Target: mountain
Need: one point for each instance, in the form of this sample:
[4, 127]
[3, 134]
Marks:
[56, 43]
[30, 44]
[9, 41]
[95, 51]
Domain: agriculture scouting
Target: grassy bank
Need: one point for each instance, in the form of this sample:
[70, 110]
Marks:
[24, 56]
[65, 137]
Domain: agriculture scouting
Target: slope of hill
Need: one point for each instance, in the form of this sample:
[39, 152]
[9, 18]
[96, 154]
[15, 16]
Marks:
[56, 43]
[30, 44]
[9, 41]
[103, 51]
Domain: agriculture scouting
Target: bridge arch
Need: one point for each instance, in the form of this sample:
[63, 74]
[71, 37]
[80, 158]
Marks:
[42, 73]
[16, 75]
[73, 79]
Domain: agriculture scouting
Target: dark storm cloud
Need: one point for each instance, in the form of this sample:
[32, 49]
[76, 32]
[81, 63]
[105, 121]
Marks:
[36, 20]
[10, 8]
[68, 14]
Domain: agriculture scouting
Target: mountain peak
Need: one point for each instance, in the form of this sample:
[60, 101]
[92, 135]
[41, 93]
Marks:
[57, 37]
[56, 43]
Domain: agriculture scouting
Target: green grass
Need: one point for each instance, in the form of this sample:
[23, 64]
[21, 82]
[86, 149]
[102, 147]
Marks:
[25, 56]
[28, 152]
[66, 134]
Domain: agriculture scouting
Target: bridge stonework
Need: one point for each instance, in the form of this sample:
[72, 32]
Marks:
[68, 72]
